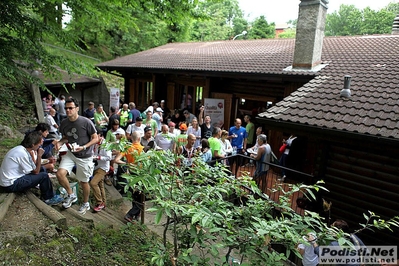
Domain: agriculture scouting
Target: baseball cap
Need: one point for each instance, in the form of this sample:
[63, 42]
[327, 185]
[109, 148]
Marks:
[147, 128]
[185, 112]
[139, 119]
[162, 101]
[119, 131]
[159, 109]
[183, 127]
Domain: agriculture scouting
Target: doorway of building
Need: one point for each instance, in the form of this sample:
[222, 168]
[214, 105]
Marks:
[189, 97]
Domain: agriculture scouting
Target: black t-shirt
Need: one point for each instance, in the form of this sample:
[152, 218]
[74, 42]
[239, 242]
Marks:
[205, 131]
[177, 120]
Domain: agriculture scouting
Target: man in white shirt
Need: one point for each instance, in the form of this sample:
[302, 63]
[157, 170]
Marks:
[165, 140]
[53, 132]
[173, 129]
[136, 127]
[157, 116]
[20, 170]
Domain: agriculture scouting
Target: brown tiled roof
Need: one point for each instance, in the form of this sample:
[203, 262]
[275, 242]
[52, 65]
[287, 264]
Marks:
[372, 61]
[256, 56]
[373, 108]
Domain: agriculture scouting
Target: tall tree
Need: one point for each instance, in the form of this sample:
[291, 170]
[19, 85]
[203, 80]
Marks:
[217, 20]
[27, 25]
[23, 29]
[393, 7]
[377, 22]
[262, 29]
[240, 25]
[346, 21]
[349, 20]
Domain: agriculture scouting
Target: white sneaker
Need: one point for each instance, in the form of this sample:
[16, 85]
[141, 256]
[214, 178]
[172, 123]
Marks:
[69, 200]
[84, 208]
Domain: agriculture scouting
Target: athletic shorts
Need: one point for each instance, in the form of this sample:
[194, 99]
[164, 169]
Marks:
[84, 166]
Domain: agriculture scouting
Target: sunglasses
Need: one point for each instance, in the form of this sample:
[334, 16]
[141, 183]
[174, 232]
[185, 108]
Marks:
[69, 108]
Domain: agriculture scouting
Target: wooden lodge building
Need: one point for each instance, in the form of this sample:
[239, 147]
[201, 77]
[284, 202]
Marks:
[348, 133]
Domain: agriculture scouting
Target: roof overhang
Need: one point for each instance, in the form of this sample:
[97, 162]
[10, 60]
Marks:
[275, 77]
[325, 133]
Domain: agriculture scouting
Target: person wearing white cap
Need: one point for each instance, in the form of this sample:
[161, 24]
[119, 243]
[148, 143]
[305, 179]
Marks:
[309, 258]
[119, 134]
[157, 116]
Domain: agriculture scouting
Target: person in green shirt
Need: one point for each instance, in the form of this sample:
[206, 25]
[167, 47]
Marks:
[101, 119]
[215, 144]
[152, 123]
[181, 139]
[124, 116]
[250, 128]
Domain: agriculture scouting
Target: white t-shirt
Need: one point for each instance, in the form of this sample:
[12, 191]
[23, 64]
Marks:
[157, 119]
[309, 257]
[17, 163]
[176, 132]
[289, 143]
[51, 122]
[226, 147]
[132, 128]
[165, 141]
[197, 133]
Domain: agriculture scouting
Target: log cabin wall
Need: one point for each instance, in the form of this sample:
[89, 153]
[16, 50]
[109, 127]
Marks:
[262, 89]
[361, 177]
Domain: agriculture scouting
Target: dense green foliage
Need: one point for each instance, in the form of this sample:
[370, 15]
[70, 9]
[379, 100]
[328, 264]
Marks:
[33, 37]
[261, 29]
[349, 20]
[218, 21]
[17, 108]
[212, 215]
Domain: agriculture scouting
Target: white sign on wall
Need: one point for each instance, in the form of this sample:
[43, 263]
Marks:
[215, 109]
[114, 98]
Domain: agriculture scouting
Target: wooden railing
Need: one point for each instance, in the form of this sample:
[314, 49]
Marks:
[244, 165]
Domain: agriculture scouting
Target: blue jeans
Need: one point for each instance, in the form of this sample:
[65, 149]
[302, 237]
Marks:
[30, 181]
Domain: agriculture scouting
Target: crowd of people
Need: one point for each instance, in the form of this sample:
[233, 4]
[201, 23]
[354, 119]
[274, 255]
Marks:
[32, 163]
[157, 128]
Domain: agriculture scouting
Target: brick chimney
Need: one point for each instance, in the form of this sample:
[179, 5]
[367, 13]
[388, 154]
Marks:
[309, 33]
[395, 26]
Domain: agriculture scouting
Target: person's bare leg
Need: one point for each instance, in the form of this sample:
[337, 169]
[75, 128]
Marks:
[86, 191]
[63, 180]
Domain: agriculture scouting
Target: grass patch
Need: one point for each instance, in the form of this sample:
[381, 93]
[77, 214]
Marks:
[17, 107]
[6, 145]
[130, 245]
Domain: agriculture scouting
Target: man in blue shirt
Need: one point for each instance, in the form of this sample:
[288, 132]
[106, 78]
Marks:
[238, 137]
[89, 112]
[133, 113]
